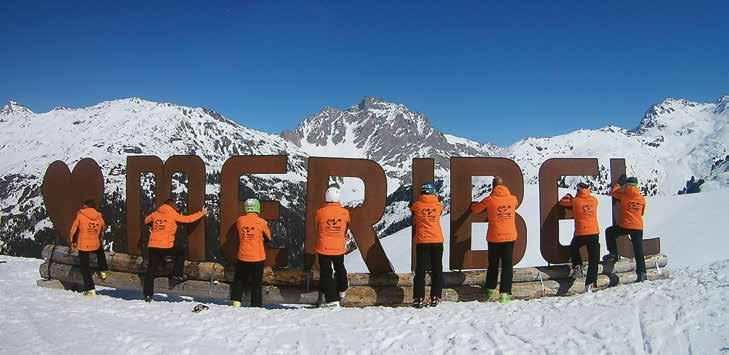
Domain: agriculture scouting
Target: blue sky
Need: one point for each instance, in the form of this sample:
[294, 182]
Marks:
[549, 67]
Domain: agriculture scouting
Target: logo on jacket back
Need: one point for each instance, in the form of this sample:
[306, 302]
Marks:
[429, 214]
[334, 224]
[159, 225]
[248, 232]
[635, 206]
[588, 210]
[504, 211]
[93, 227]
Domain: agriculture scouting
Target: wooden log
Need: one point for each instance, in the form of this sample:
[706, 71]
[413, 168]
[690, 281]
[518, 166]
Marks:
[193, 288]
[360, 296]
[207, 271]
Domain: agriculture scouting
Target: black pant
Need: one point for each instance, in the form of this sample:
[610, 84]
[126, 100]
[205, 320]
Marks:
[430, 254]
[83, 257]
[500, 254]
[155, 257]
[248, 276]
[328, 285]
[593, 254]
[636, 237]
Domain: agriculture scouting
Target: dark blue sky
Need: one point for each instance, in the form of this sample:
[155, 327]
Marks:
[469, 66]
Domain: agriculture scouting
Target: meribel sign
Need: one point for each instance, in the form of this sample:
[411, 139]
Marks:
[64, 192]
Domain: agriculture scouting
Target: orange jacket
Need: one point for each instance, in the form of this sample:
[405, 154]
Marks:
[251, 230]
[164, 225]
[426, 213]
[632, 206]
[332, 221]
[89, 224]
[500, 208]
[584, 211]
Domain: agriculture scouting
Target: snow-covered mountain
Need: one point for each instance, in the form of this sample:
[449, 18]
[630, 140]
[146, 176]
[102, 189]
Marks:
[675, 140]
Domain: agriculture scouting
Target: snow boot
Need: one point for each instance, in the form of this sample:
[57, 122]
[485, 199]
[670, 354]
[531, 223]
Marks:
[342, 294]
[418, 303]
[590, 288]
[504, 298]
[103, 275]
[334, 304]
[148, 299]
[642, 277]
[576, 272]
[235, 304]
[490, 293]
[611, 257]
[434, 300]
[90, 293]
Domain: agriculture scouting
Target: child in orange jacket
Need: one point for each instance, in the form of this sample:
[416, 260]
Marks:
[253, 231]
[86, 237]
[500, 207]
[162, 242]
[630, 222]
[587, 233]
[428, 245]
[332, 222]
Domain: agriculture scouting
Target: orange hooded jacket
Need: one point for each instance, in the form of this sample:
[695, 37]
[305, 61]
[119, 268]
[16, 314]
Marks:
[632, 206]
[584, 211]
[89, 224]
[164, 225]
[426, 214]
[251, 230]
[332, 221]
[500, 208]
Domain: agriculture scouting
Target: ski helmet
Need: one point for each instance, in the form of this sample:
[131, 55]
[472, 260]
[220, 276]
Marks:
[252, 205]
[428, 188]
[582, 185]
[333, 194]
[632, 181]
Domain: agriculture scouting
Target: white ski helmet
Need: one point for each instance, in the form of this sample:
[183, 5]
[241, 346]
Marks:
[333, 194]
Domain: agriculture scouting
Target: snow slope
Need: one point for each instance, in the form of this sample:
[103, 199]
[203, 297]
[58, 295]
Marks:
[688, 226]
[688, 313]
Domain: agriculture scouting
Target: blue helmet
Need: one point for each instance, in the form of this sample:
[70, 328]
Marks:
[428, 188]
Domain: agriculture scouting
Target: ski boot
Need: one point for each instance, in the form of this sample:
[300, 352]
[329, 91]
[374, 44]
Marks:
[576, 272]
[590, 288]
[611, 257]
[148, 299]
[342, 294]
[490, 293]
[103, 275]
[642, 277]
[434, 300]
[236, 304]
[90, 293]
[418, 303]
[504, 298]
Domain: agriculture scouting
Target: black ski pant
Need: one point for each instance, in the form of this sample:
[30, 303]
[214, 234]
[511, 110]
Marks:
[155, 258]
[426, 255]
[636, 237]
[331, 284]
[83, 257]
[500, 254]
[248, 276]
[593, 254]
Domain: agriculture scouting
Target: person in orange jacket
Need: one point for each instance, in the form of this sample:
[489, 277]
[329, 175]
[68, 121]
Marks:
[162, 242]
[428, 245]
[253, 231]
[630, 222]
[85, 236]
[587, 233]
[332, 222]
[500, 208]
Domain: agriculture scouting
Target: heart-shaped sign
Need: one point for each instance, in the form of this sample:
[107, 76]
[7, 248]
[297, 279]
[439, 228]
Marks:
[64, 192]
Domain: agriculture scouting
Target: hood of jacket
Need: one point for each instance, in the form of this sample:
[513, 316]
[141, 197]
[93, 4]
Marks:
[428, 198]
[90, 213]
[501, 191]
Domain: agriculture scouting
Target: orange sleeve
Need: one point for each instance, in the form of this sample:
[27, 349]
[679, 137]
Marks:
[148, 219]
[189, 218]
[74, 229]
[441, 208]
[481, 206]
[412, 207]
[615, 192]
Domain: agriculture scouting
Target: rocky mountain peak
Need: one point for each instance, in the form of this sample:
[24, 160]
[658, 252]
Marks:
[13, 107]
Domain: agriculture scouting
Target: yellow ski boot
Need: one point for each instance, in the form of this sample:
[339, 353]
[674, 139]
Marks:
[103, 275]
[91, 293]
[236, 304]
